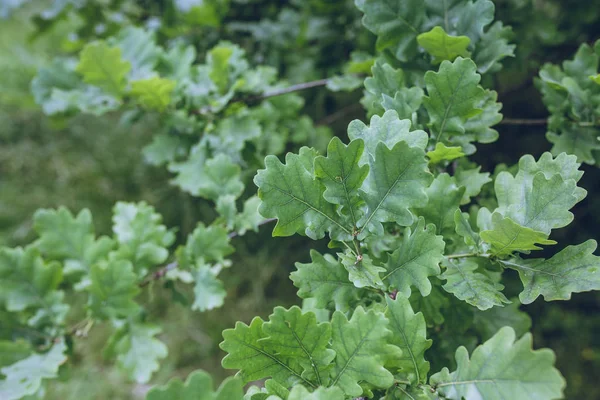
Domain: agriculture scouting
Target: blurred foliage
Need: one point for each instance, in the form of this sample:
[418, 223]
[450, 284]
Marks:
[90, 162]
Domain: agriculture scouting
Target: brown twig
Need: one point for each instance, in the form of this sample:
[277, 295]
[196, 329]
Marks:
[523, 121]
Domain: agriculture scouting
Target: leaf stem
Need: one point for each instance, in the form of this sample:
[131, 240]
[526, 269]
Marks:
[465, 255]
[357, 247]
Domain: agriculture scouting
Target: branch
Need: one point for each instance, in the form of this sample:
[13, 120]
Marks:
[518, 121]
[159, 273]
[293, 88]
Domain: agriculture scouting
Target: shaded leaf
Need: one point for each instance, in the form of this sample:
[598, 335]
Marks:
[501, 368]
[409, 334]
[198, 386]
[416, 259]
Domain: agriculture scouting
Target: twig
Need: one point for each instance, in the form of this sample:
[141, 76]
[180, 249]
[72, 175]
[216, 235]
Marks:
[293, 88]
[523, 121]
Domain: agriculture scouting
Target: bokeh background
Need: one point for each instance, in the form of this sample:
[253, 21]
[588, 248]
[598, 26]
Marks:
[92, 162]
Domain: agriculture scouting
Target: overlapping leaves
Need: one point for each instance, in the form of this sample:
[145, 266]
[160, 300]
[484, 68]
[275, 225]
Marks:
[353, 190]
[445, 30]
[572, 95]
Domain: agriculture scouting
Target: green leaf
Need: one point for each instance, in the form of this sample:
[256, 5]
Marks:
[26, 280]
[431, 305]
[476, 288]
[70, 239]
[444, 199]
[573, 99]
[453, 96]
[208, 244]
[501, 368]
[227, 63]
[406, 102]
[538, 197]
[163, 149]
[59, 75]
[301, 393]
[142, 238]
[153, 93]
[326, 280]
[198, 386]
[231, 134]
[139, 48]
[296, 336]
[209, 292]
[292, 195]
[388, 129]
[342, 176]
[384, 83]
[506, 237]
[572, 270]
[465, 230]
[396, 182]
[13, 351]
[252, 356]
[396, 24]
[344, 83]
[113, 287]
[219, 177]
[472, 180]
[442, 46]
[491, 321]
[409, 334]
[417, 258]
[443, 153]
[493, 48]
[24, 378]
[139, 351]
[362, 349]
[102, 66]
[362, 272]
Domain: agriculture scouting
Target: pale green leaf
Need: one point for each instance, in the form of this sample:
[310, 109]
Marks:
[388, 129]
[406, 102]
[198, 386]
[301, 393]
[506, 237]
[209, 292]
[24, 378]
[500, 369]
[362, 272]
[472, 180]
[138, 46]
[326, 280]
[465, 230]
[362, 348]
[142, 237]
[468, 284]
[410, 335]
[208, 244]
[139, 351]
[101, 65]
[444, 153]
[417, 258]
[344, 83]
[536, 198]
[153, 93]
[384, 83]
[442, 46]
[572, 270]
[113, 287]
[444, 199]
